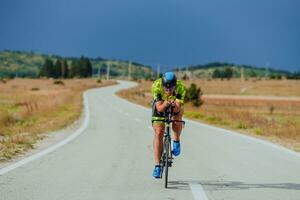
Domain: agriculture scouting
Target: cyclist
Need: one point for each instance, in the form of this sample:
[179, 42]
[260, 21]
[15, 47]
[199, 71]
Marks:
[165, 91]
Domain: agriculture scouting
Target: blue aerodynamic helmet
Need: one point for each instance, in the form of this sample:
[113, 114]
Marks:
[169, 80]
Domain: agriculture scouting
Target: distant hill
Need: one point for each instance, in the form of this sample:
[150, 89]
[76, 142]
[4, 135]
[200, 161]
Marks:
[28, 64]
[208, 70]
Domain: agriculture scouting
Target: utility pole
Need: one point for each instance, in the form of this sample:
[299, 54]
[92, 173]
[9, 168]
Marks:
[191, 76]
[188, 74]
[242, 74]
[107, 71]
[179, 72]
[158, 70]
[129, 71]
[99, 72]
[152, 74]
[16, 72]
[62, 70]
[267, 69]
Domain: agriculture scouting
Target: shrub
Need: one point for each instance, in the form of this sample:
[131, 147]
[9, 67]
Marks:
[59, 82]
[99, 80]
[3, 80]
[4, 118]
[35, 88]
[185, 77]
[241, 125]
[193, 94]
[271, 109]
[258, 131]
[135, 79]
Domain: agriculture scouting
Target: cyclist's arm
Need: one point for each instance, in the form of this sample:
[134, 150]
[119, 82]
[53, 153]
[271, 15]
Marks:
[181, 91]
[161, 105]
[177, 103]
[157, 96]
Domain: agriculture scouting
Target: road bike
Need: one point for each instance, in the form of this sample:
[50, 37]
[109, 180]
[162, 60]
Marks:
[166, 159]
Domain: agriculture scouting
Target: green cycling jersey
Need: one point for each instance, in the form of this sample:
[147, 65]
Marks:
[158, 92]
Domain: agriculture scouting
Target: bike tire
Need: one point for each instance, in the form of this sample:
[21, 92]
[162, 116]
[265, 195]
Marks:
[167, 146]
[162, 164]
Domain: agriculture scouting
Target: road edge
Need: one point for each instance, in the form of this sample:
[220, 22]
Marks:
[83, 121]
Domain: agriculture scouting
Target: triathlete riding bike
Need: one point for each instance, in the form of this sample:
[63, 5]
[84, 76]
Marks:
[165, 91]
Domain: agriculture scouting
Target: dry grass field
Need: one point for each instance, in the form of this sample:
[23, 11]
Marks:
[268, 109]
[31, 107]
[249, 87]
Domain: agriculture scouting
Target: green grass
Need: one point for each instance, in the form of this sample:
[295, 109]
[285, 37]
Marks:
[257, 131]
[207, 118]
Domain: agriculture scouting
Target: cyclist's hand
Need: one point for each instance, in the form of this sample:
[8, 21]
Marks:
[172, 103]
[166, 104]
[177, 105]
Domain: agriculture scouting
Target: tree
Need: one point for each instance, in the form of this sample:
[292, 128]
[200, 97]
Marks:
[216, 73]
[74, 71]
[85, 67]
[47, 69]
[228, 72]
[56, 73]
[80, 68]
[252, 73]
[64, 69]
[223, 73]
[295, 75]
[88, 68]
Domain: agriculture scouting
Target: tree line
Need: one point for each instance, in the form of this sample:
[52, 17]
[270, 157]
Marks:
[80, 68]
[228, 72]
[223, 73]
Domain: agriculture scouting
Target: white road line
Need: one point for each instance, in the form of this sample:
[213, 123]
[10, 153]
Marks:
[246, 137]
[198, 191]
[54, 147]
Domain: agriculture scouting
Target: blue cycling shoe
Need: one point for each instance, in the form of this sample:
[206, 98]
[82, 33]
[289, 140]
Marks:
[176, 148]
[157, 171]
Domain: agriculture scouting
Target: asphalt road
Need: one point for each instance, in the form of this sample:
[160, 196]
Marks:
[113, 159]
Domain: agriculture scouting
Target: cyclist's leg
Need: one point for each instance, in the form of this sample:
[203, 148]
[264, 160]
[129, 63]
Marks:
[159, 129]
[177, 128]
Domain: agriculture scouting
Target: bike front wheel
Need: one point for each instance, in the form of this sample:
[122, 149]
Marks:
[167, 155]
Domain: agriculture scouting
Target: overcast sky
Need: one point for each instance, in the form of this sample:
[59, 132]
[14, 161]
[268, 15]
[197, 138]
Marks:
[169, 32]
